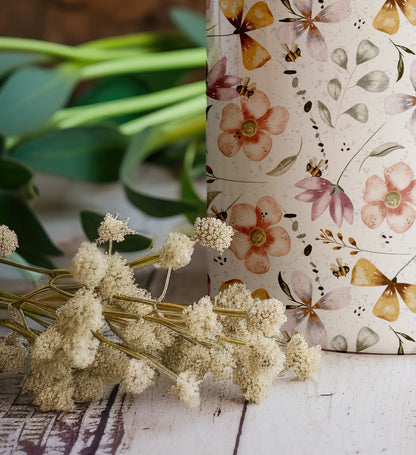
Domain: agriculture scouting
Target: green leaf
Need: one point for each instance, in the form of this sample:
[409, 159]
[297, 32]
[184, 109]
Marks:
[12, 60]
[283, 166]
[13, 174]
[358, 112]
[143, 145]
[133, 242]
[407, 337]
[400, 68]
[340, 57]
[284, 286]
[334, 88]
[211, 196]
[376, 81]
[37, 260]
[385, 149]
[339, 343]
[17, 215]
[406, 49]
[191, 24]
[400, 351]
[27, 274]
[366, 338]
[366, 51]
[325, 114]
[91, 154]
[32, 95]
[287, 4]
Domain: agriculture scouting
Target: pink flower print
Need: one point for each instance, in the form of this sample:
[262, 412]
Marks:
[289, 32]
[400, 102]
[323, 194]
[390, 199]
[315, 332]
[221, 86]
[257, 238]
[250, 127]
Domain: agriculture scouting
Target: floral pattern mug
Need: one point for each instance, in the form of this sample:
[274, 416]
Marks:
[311, 158]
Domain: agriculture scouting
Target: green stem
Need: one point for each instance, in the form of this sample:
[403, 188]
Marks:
[161, 61]
[74, 116]
[143, 262]
[11, 325]
[401, 270]
[31, 268]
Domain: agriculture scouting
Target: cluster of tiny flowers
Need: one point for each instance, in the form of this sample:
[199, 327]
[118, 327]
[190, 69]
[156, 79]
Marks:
[213, 233]
[107, 329]
[8, 241]
[113, 230]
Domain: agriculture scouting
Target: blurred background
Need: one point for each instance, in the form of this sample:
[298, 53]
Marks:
[77, 21]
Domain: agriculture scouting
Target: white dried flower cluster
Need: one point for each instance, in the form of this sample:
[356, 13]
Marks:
[301, 358]
[138, 376]
[176, 252]
[118, 279]
[8, 241]
[112, 229]
[201, 320]
[13, 354]
[213, 233]
[187, 389]
[267, 315]
[89, 265]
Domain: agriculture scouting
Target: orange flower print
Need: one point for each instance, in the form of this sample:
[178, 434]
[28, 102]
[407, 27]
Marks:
[391, 199]
[259, 293]
[387, 19]
[257, 238]
[387, 306]
[250, 127]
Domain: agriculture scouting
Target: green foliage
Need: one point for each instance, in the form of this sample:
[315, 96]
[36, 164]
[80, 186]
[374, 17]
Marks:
[192, 24]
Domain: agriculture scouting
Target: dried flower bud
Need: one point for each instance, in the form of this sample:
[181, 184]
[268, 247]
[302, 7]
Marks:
[201, 320]
[176, 252]
[13, 354]
[138, 376]
[213, 233]
[303, 360]
[89, 265]
[113, 229]
[266, 315]
[8, 241]
[187, 389]
[118, 278]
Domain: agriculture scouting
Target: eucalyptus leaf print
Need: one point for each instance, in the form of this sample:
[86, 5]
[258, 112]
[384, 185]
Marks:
[387, 19]
[366, 51]
[400, 102]
[250, 126]
[325, 114]
[382, 150]
[358, 112]
[340, 58]
[366, 338]
[285, 165]
[293, 28]
[376, 81]
[334, 88]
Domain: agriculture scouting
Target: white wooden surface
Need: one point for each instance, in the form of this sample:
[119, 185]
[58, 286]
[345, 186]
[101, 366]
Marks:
[357, 404]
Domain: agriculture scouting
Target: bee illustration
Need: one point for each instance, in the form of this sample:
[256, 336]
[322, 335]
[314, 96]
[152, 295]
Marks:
[245, 89]
[223, 215]
[338, 269]
[293, 52]
[313, 168]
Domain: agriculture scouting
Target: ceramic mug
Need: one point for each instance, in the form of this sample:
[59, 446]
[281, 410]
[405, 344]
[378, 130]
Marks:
[311, 134]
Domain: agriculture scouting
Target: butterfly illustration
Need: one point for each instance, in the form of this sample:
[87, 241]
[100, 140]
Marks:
[387, 19]
[293, 28]
[258, 16]
[387, 306]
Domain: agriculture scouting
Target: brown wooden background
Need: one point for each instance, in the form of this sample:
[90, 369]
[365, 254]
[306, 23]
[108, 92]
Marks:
[77, 21]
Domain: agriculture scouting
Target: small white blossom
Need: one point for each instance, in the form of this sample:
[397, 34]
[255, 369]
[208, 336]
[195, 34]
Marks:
[266, 315]
[213, 233]
[89, 265]
[187, 389]
[303, 360]
[8, 241]
[87, 386]
[138, 376]
[176, 252]
[118, 279]
[222, 362]
[183, 355]
[112, 229]
[201, 320]
[47, 344]
[235, 296]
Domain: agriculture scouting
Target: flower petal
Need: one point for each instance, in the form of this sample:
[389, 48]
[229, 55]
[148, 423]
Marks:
[408, 293]
[230, 142]
[412, 124]
[375, 189]
[274, 120]
[335, 209]
[304, 7]
[402, 218]
[222, 93]
[348, 207]
[313, 183]
[257, 147]
[232, 117]
[315, 44]
[278, 241]
[319, 206]
[408, 8]
[240, 245]
[399, 102]
[268, 212]
[255, 106]
[243, 218]
[413, 74]
[409, 193]
[228, 81]
[365, 273]
[294, 318]
[315, 331]
[398, 176]
[309, 196]
[387, 19]
[335, 12]
[217, 71]
[289, 32]
[302, 287]
[257, 261]
[334, 300]
[373, 214]
[387, 306]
